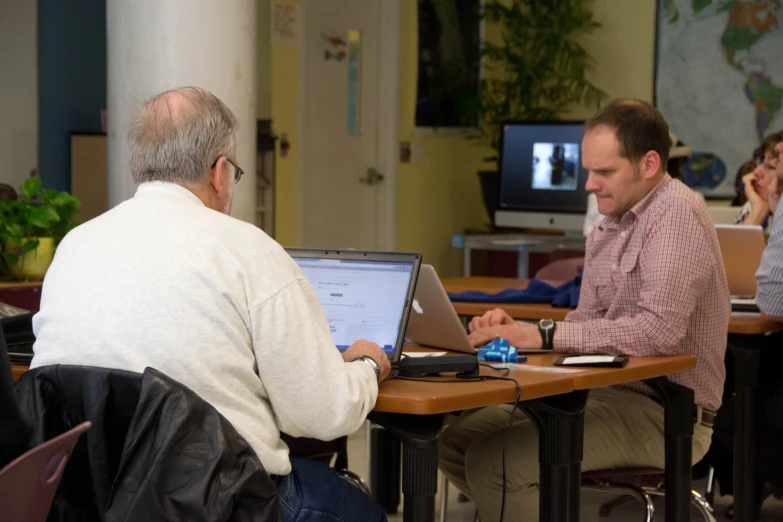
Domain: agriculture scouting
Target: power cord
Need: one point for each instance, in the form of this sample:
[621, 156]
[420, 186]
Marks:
[482, 378]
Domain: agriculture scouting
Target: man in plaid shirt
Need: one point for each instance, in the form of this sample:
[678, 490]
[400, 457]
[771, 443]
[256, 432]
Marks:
[654, 285]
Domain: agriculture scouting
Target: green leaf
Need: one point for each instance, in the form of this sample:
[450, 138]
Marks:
[10, 259]
[30, 245]
[61, 199]
[42, 216]
[15, 230]
[31, 187]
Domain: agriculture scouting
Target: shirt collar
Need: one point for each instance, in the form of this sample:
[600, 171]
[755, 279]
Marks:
[165, 188]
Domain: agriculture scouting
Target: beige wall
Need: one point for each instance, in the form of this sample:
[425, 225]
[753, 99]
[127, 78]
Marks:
[18, 90]
[439, 195]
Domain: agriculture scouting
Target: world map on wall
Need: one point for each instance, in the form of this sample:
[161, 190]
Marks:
[719, 82]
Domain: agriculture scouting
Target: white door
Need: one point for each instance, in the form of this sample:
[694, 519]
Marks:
[348, 161]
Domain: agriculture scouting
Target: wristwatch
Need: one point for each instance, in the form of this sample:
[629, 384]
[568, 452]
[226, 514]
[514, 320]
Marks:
[546, 327]
[372, 364]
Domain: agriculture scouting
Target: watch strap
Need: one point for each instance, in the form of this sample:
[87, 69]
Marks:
[547, 335]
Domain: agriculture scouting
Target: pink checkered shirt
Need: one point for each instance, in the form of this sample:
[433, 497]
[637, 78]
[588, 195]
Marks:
[654, 285]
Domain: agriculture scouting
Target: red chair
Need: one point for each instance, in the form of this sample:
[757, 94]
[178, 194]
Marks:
[561, 270]
[28, 484]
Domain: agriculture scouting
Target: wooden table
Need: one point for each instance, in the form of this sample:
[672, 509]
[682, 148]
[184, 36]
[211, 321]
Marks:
[414, 412]
[743, 330]
[425, 398]
[17, 370]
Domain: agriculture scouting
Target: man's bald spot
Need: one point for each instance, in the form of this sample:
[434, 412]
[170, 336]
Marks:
[170, 108]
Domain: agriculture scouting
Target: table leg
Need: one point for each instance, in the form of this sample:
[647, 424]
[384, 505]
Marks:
[385, 468]
[678, 432]
[523, 261]
[746, 387]
[419, 436]
[560, 424]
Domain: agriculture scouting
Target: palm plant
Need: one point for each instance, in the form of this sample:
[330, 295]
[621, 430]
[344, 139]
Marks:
[539, 68]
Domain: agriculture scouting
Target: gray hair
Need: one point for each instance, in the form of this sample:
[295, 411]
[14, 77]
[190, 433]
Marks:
[178, 134]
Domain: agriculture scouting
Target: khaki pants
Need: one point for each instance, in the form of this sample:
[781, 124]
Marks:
[623, 428]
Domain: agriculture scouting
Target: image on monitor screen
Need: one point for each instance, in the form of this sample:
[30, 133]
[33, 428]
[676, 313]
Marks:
[555, 166]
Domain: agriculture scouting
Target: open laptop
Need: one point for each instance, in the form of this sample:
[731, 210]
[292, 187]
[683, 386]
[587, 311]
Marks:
[433, 321]
[741, 247]
[365, 295]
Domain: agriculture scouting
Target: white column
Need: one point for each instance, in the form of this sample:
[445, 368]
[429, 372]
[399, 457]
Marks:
[156, 45]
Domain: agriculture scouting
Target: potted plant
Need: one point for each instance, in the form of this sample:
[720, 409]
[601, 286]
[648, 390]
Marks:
[32, 226]
[537, 71]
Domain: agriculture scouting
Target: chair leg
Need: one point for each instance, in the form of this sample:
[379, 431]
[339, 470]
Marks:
[607, 507]
[354, 479]
[444, 497]
[627, 494]
[709, 495]
[703, 506]
[696, 499]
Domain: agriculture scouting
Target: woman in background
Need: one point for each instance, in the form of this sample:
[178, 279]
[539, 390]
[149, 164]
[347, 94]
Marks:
[759, 208]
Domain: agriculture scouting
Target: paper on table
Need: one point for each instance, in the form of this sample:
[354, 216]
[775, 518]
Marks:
[422, 354]
[588, 359]
[542, 369]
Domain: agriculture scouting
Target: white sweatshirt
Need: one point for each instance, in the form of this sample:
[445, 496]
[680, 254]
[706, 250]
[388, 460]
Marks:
[162, 281]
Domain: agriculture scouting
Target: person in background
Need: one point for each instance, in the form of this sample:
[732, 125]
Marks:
[758, 210]
[769, 278]
[746, 168]
[169, 280]
[678, 156]
[769, 297]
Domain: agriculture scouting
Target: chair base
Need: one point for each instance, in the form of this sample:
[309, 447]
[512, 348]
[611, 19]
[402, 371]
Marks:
[643, 494]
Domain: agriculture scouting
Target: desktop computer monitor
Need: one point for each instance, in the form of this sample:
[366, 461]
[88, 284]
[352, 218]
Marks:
[542, 182]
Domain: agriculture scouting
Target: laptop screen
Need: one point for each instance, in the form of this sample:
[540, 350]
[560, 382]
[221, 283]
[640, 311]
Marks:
[362, 299]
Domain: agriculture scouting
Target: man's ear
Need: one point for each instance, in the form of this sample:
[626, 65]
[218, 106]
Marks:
[217, 174]
[650, 165]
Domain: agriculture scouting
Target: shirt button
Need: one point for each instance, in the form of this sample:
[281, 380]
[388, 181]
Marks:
[623, 234]
[614, 267]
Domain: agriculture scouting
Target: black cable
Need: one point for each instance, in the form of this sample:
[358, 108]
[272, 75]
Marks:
[481, 378]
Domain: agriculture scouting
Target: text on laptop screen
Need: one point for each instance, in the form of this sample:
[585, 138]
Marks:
[361, 299]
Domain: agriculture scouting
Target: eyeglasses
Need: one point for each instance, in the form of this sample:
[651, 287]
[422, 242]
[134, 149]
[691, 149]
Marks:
[238, 170]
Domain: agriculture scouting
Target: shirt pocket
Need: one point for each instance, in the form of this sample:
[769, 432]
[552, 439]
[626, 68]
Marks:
[629, 261]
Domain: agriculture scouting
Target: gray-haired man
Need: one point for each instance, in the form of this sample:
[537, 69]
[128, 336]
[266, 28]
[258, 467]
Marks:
[167, 279]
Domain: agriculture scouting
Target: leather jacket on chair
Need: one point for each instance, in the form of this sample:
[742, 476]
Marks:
[156, 451]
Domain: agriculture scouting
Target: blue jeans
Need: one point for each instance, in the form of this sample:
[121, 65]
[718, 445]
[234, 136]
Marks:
[315, 492]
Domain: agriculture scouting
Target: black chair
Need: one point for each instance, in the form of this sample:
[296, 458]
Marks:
[14, 429]
[156, 450]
